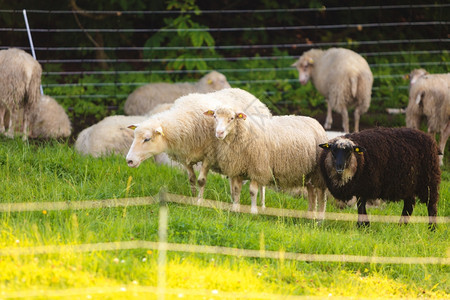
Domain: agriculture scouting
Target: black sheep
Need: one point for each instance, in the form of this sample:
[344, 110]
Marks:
[386, 163]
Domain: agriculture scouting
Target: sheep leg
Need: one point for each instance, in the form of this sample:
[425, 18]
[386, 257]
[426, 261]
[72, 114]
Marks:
[236, 187]
[432, 206]
[345, 122]
[445, 133]
[329, 119]
[253, 196]
[202, 180]
[363, 219]
[408, 207]
[321, 203]
[26, 122]
[262, 196]
[311, 201]
[192, 178]
[12, 123]
[2, 119]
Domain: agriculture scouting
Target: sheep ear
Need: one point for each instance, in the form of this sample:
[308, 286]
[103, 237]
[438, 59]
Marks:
[241, 116]
[159, 130]
[295, 64]
[325, 146]
[358, 149]
[132, 127]
[209, 113]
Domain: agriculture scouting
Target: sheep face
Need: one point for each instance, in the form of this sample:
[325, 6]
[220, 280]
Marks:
[215, 81]
[225, 121]
[304, 66]
[342, 161]
[148, 141]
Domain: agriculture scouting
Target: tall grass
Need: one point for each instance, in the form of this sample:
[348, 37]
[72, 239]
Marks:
[54, 172]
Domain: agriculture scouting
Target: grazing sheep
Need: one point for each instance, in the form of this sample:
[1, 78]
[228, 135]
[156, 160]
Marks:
[186, 134]
[342, 76]
[112, 136]
[386, 163]
[20, 79]
[281, 151]
[429, 95]
[49, 120]
[146, 97]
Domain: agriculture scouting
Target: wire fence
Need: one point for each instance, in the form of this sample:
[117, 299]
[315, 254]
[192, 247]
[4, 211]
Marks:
[111, 58]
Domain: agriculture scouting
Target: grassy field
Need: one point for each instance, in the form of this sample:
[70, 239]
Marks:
[52, 172]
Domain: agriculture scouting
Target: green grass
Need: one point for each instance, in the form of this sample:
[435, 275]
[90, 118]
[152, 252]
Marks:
[54, 172]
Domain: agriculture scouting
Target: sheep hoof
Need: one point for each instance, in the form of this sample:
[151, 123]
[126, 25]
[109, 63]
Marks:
[236, 207]
[432, 227]
[254, 210]
[200, 200]
[365, 224]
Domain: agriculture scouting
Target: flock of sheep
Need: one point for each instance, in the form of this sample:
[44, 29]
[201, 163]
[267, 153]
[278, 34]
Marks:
[231, 132]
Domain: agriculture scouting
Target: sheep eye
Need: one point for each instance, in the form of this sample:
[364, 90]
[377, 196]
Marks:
[232, 118]
[147, 139]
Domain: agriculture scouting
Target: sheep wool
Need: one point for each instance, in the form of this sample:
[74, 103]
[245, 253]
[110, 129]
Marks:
[49, 120]
[20, 78]
[343, 77]
[387, 163]
[281, 151]
[146, 97]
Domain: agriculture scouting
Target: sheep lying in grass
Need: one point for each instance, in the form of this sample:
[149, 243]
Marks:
[49, 120]
[429, 95]
[281, 151]
[186, 134]
[20, 79]
[386, 163]
[343, 77]
[146, 97]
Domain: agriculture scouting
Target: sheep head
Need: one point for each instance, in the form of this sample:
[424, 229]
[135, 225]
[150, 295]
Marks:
[214, 81]
[304, 66]
[149, 140]
[342, 163]
[225, 120]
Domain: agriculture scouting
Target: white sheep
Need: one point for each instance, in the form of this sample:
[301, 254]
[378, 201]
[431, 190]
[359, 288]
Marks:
[415, 74]
[20, 79]
[186, 134]
[429, 95]
[343, 77]
[281, 151]
[49, 120]
[146, 97]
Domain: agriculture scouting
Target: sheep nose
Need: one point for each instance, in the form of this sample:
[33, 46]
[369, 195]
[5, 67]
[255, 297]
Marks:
[219, 134]
[130, 162]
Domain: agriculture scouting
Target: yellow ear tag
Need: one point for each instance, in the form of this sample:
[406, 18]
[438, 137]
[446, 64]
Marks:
[209, 113]
[310, 60]
[210, 81]
[133, 127]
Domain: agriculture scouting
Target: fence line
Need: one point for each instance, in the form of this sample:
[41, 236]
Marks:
[186, 200]
[235, 11]
[238, 252]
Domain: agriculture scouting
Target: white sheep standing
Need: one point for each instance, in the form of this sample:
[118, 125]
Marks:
[20, 79]
[49, 120]
[343, 77]
[146, 97]
[429, 95]
[281, 151]
[186, 134]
